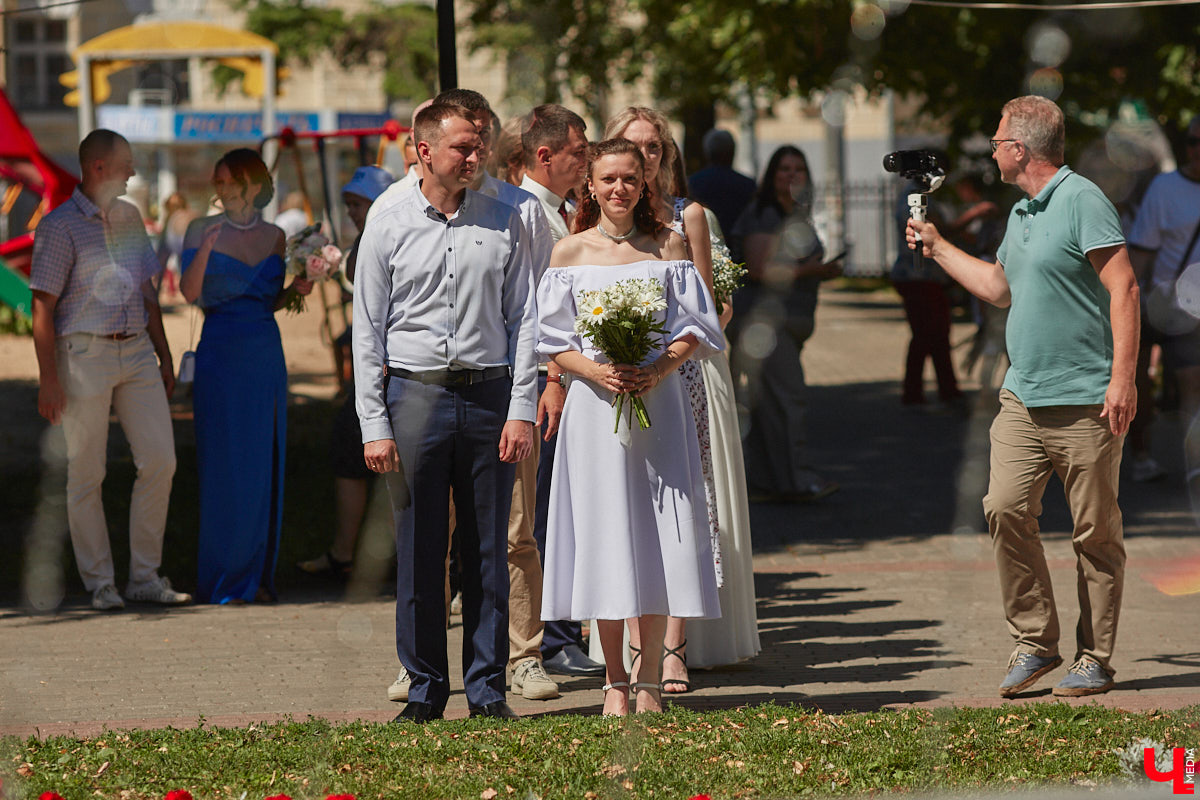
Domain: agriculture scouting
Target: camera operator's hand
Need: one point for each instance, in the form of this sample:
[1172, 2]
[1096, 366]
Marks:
[923, 233]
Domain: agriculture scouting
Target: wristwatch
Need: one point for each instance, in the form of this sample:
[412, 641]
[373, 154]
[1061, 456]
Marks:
[556, 379]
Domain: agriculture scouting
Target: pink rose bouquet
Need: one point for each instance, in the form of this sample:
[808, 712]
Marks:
[310, 256]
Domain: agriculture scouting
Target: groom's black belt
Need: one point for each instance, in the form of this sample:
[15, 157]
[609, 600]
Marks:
[449, 377]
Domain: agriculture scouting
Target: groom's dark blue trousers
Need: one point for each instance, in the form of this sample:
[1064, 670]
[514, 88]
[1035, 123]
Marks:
[449, 439]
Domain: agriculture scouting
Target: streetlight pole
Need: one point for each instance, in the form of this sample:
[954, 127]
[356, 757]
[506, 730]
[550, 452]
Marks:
[447, 56]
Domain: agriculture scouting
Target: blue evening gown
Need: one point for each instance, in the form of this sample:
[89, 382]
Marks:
[240, 407]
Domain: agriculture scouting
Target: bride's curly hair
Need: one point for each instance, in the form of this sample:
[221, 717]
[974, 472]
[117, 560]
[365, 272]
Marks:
[588, 215]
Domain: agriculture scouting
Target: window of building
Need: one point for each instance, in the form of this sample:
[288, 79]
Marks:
[37, 55]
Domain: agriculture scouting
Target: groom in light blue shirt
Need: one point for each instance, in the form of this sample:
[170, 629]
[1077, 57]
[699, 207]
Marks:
[445, 383]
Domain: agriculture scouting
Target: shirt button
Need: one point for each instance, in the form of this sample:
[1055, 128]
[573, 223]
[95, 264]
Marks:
[451, 274]
[449, 249]
[452, 305]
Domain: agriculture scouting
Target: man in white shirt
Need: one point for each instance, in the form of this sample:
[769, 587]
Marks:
[446, 395]
[555, 148]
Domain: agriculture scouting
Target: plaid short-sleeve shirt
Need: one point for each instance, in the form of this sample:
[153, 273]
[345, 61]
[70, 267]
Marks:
[95, 264]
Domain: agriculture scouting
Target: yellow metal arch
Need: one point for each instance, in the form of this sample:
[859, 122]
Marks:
[122, 48]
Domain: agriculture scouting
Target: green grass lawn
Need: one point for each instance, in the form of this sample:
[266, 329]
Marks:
[766, 751]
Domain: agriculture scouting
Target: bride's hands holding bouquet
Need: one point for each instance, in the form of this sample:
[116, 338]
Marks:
[617, 378]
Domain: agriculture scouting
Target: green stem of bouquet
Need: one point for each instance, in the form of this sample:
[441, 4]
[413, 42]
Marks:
[636, 406]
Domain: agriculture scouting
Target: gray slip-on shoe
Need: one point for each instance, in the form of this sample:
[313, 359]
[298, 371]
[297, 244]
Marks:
[1024, 670]
[1084, 678]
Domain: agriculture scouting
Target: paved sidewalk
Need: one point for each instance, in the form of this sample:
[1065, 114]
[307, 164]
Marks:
[883, 595]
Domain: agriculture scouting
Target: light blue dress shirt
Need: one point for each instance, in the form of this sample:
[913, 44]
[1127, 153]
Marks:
[435, 292]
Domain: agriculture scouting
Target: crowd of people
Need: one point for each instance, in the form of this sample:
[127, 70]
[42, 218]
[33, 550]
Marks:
[480, 398]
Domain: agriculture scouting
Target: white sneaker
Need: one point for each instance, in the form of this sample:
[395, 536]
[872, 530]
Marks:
[1146, 469]
[531, 680]
[456, 604]
[106, 598]
[398, 691]
[156, 591]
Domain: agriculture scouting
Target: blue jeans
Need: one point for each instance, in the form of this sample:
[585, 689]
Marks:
[448, 438]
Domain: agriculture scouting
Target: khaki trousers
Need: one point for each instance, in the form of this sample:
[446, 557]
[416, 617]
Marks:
[1073, 442]
[100, 376]
[525, 624]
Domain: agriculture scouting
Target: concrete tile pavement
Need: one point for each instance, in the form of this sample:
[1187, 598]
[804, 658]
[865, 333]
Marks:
[883, 595]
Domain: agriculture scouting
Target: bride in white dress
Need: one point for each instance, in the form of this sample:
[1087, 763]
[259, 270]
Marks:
[627, 534]
[733, 636]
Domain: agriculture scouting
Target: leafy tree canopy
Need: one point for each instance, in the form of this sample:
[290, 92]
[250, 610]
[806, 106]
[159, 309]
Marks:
[402, 38]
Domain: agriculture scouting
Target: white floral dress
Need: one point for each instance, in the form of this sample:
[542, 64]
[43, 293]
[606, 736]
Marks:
[693, 381]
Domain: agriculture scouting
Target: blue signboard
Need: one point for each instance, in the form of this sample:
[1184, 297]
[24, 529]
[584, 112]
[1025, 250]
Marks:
[235, 126]
[349, 120]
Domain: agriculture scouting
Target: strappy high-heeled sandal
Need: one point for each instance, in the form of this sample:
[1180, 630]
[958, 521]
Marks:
[648, 687]
[674, 651]
[633, 659]
[615, 685]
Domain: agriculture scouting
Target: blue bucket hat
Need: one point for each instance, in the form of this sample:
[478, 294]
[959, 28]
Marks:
[368, 182]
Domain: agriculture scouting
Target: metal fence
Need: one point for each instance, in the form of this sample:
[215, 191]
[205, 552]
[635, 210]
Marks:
[859, 217]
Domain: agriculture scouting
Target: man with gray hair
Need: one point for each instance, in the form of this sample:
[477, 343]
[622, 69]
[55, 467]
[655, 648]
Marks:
[1068, 397]
[718, 186]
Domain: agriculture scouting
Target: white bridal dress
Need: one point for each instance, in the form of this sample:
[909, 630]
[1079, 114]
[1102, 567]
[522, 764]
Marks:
[627, 532]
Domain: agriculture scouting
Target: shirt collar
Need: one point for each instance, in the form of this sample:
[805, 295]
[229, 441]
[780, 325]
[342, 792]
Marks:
[1043, 197]
[541, 192]
[432, 212]
[85, 204]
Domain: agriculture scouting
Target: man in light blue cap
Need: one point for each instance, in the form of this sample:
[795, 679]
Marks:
[350, 472]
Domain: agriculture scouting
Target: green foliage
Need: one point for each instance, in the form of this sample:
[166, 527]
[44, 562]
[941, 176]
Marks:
[966, 64]
[13, 322]
[301, 31]
[400, 38]
[767, 751]
[547, 45]
[404, 38]
[963, 64]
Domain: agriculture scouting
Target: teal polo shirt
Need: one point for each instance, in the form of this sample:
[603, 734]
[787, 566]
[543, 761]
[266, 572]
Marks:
[1059, 336]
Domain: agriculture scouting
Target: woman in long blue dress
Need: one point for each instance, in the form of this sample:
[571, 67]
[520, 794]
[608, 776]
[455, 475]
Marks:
[234, 270]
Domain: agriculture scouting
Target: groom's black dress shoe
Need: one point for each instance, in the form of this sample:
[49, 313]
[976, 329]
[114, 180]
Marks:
[418, 712]
[571, 660]
[496, 710]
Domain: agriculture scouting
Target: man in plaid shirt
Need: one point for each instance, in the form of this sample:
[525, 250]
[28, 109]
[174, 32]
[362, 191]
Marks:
[97, 328]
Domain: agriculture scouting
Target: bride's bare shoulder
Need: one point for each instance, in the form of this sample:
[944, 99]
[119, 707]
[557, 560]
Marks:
[569, 250]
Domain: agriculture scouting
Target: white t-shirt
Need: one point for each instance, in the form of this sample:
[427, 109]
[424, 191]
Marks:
[1165, 222]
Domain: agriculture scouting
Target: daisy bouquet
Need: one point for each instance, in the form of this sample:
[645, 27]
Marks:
[727, 276]
[620, 321]
[310, 256]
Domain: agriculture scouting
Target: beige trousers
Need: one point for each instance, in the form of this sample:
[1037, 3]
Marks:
[1073, 442]
[525, 624]
[100, 376]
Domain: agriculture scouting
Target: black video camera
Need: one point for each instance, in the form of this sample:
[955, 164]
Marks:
[920, 166]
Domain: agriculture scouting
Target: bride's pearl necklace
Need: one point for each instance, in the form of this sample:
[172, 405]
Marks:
[254, 220]
[616, 237]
